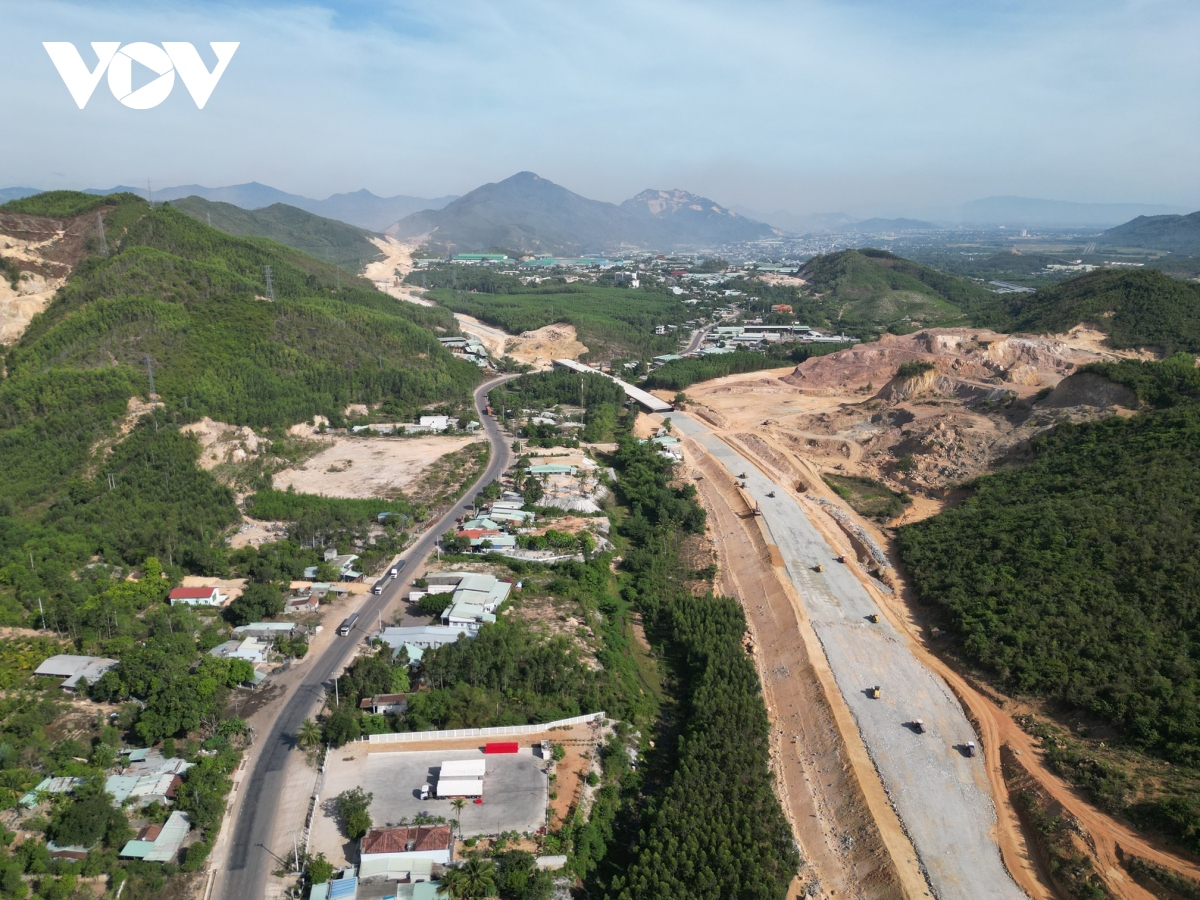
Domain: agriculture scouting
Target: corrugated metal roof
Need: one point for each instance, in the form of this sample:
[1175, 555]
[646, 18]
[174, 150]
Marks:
[137, 849]
[170, 839]
[346, 888]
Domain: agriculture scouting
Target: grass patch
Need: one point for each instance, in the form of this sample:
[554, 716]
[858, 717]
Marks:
[867, 497]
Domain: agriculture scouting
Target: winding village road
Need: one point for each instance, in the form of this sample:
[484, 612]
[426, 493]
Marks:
[249, 854]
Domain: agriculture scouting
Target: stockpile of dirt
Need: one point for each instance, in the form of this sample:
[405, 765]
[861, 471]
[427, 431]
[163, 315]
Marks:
[541, 347]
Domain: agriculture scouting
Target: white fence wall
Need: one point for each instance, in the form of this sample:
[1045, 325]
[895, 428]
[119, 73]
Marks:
[407, 737]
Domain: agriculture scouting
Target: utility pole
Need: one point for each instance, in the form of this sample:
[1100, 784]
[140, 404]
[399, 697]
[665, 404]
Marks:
[208, 216]
[103, 240]
[112, 484]
[270, 287]
[295, 850]
[336, 699]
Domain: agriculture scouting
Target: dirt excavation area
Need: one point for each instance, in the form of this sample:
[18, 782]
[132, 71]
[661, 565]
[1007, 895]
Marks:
[38, 253]
[974, 396]
[368, 467]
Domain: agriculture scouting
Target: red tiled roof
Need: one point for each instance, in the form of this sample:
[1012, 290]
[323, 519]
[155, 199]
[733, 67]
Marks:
[397, 840]
[477, 532]
[192, 593]
[149, 833]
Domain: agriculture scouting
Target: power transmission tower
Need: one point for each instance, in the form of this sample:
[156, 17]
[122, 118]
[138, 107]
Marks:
[208, 216]
[149, 193]
[150, 372]
[103, 240]
[270, 287]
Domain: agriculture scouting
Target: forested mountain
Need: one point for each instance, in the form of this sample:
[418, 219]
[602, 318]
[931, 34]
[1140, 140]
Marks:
[336, 242]
[876, 287]
[193, 304]
[1138, 308]
[1175, 234]
[529, 213]
[1077, 577]
[360, 208]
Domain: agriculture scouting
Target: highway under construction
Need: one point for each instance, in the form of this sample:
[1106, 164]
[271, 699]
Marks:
[938, 790]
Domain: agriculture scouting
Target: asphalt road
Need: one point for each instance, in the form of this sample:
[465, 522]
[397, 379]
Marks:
[698, 337]
[250, 863]
[942, 796]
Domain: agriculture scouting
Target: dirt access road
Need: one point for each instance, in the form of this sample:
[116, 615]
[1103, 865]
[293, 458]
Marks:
[242, 863]
[941, 795]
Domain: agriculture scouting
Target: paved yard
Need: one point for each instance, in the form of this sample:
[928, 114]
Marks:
[515, 792]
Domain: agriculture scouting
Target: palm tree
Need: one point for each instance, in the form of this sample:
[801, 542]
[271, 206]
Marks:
[309, 734]
[479, 878]
[474, 880]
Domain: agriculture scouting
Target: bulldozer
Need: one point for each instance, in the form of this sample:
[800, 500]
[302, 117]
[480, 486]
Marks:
[818, 568]
[875, 692]
[873, 618]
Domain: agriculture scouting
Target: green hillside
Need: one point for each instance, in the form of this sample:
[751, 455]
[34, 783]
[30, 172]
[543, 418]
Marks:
[612, 322]
[1174, 234]
[1137, 308]
[327, 239]
[875, 288]
[1077, 578]
[193, 300]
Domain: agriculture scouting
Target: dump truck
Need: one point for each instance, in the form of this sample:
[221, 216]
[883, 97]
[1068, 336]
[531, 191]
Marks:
[918, 726]
[875, 692]
[970, 748]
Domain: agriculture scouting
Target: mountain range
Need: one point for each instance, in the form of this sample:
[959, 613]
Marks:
[528, 213]
[360, 208]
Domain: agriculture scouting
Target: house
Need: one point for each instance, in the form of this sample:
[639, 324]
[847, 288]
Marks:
[268, 630]
[165, 843]
[343, 562]
[253, 650]
[384, 703]
[423, 637]
[60, 785]
[75, 669]
[475, 601]
[429, 424]
[406, 843]
[304, 604]
[197, 596]
[496, 541]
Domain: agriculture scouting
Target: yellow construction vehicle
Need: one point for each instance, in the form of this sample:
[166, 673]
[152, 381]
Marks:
[875, 692]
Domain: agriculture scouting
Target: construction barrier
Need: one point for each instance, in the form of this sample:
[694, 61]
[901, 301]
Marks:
[408, 737]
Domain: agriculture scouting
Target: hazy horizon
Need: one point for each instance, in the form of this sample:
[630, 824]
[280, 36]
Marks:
[862, 107]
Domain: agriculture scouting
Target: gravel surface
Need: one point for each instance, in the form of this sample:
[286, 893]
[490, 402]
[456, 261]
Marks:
[940, 794]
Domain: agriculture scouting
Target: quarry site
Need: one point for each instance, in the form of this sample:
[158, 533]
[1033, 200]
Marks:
[981, 398]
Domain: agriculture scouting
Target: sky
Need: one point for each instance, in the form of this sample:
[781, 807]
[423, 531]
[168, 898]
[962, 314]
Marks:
[869, 107]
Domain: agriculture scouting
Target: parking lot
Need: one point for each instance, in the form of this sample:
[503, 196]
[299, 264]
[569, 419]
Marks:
[515, 792]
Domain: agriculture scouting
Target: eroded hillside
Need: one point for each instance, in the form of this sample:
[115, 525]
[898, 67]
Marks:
[921, 413]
